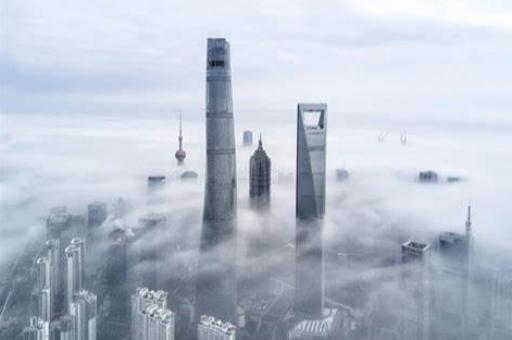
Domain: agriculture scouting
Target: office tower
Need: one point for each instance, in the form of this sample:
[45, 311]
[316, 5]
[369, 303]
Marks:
[97, 214]
[52, 249]
[41, 304]
[58, 226]
[216, 279]
[42, 297]
[37, 330]
[151, 319]
[247, 140]
[84, 310]
[60, 231]
[180, 154]
[117, 275]
[149, 242]
[211, 329]
[259, 177]
[416, 282]
[156, 189]
[75, 269]
[43, 273]
[67, 327]
[453, 295]
[310, 209]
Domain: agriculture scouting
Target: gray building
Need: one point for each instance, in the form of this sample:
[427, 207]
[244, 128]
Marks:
[156, 189]
[96, 214]
[117, 275]
[210, 328]
[37, 330]
[67, 327]
[260, 177]
[216, 288]
[453, 287]
[151, 319]
[310, 208]
[75, 269]
[84, 310]
[416, 282]
[247, 139]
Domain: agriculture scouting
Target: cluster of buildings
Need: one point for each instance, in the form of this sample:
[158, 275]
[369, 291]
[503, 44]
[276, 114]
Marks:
[438, 279]
[61, 304]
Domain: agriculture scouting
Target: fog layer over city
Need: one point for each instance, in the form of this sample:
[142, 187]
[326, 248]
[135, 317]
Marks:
[72, 161]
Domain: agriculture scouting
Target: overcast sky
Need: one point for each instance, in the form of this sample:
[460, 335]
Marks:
[410, 61]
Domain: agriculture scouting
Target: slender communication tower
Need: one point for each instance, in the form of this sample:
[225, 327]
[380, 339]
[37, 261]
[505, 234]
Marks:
[180, 154]
[216, 278]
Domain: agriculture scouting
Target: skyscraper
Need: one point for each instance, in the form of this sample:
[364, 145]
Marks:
[54, 256]
[97, 214]
[67, 327]
[151, 319]
[75, 269]
[117, 275]
[37, 330]
[42, 294]
[156, 189]
[416, 281]
[310, 208]
[209, 328]
[84, 311]
[180, 154]
[259, 177]
[216, 279]
[247, 139]
[453, 293]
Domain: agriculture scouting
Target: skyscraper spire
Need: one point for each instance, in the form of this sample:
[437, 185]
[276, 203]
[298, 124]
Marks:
[180, 154]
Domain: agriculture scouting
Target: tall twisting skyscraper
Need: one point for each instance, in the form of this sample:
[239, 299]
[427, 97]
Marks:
[310, 208]
[259, 177]
[216, 281]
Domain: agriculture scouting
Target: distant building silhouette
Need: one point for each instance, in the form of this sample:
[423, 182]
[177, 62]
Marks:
[37, 329]
[247, 139]
[156, 189]
[260, 177]
[97, 214]
[453, 296]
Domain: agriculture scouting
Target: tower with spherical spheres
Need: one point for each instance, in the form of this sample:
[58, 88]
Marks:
[180, 154]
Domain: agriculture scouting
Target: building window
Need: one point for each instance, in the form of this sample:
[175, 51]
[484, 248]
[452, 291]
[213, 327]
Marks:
[216, 63]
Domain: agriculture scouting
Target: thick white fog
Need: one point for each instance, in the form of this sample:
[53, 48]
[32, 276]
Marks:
[48, 161]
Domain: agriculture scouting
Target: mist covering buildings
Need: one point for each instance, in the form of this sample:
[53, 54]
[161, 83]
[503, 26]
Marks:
[360, 272]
